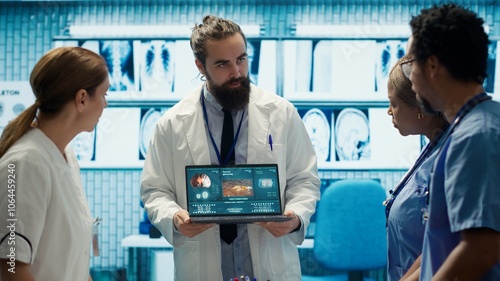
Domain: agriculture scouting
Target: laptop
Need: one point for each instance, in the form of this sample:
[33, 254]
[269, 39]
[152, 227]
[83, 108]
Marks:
[234, 194]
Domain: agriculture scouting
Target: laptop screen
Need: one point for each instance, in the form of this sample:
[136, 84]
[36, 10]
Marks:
[251, 189]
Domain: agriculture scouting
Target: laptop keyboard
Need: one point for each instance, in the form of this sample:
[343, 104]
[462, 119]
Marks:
[239, 219]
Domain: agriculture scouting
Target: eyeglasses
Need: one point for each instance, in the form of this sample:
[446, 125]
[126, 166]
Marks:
[406, 66]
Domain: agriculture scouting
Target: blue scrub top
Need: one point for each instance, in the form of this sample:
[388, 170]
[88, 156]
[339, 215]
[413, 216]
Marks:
[465, 193]
[405, 230]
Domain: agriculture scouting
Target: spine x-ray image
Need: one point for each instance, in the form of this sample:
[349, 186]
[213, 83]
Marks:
[120, 60]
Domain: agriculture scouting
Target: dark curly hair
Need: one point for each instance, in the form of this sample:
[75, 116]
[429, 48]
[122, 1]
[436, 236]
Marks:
[456, 36]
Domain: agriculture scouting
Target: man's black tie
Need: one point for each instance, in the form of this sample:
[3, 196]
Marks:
[227, 231]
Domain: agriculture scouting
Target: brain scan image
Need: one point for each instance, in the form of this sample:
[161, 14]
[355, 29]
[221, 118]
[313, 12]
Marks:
[148, 124]
[318, 128]
[352, 135]
[84, 146]
[200, 181]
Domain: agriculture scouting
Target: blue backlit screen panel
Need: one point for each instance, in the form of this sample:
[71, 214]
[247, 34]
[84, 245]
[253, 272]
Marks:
[357, 138]
[339, 70]
[350, 70]
[164, 69]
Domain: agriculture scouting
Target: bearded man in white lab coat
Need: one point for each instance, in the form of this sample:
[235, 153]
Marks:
[189, 133]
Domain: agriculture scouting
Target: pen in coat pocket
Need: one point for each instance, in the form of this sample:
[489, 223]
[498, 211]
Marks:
[271, 142]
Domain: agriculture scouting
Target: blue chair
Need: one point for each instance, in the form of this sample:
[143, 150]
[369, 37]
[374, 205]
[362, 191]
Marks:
[350, 234]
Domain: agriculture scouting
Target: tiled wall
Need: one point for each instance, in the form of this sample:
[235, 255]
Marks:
[28, 28]
[114, 196]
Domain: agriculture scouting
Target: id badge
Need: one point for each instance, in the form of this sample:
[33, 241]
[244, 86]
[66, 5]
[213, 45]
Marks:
[95, 237]
[425, 215]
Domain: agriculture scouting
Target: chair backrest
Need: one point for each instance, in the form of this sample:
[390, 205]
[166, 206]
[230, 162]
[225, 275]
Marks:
[350, 232]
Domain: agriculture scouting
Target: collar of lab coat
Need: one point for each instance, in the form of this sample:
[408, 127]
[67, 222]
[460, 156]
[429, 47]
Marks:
[259, 111]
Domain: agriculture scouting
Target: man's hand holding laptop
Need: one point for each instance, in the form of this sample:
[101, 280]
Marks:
[183, 224]
[278, 229]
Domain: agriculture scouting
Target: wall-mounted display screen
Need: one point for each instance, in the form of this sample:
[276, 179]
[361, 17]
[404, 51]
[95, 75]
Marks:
[164, 70]
[339, 70]
[350, 131]
[120, 139]
[15, 97]
[358, 138]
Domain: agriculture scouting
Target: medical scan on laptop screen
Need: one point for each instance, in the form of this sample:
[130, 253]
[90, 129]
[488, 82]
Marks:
[233, 191]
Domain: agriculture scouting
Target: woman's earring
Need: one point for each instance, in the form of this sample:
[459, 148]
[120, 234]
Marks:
[420, 116]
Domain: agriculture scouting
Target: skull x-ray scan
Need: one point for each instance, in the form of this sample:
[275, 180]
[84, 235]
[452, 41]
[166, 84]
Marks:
[149, 118]
[318, 127]
[84, 146]
[352, 135]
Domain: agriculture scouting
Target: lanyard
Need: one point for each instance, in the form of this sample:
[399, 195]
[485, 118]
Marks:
[477, 99]
[458, 118]
[205, 116]
[429, 148]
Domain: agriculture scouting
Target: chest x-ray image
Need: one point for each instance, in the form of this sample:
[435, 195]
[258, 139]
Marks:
[120, 60]
[157, 67]
[388, 53]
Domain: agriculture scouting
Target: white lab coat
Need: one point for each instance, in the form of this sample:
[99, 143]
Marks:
[180, 139]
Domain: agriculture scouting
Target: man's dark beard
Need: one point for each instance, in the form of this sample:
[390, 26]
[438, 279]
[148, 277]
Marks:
[426, 106]
[234, 99]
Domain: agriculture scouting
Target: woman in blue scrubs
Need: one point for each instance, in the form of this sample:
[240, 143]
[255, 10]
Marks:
[405, 208]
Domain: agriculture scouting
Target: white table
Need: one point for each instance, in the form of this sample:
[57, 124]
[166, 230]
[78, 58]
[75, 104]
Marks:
[135, 242]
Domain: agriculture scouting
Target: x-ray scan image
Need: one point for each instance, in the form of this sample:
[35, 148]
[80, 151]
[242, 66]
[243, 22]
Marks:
[388, 53]
[149, 118]
[157, 66]
[489, 82]
[84, 146]
[352, 135]
[119, 58]
[318, 129]
[253, 51]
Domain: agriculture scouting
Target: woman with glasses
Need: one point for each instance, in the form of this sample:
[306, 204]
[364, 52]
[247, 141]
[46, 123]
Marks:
[405, 208]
